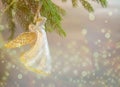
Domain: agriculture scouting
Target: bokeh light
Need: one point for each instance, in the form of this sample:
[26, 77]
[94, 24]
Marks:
[89, 56]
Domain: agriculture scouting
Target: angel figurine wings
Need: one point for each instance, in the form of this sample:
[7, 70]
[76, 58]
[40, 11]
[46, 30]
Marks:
[37, 58]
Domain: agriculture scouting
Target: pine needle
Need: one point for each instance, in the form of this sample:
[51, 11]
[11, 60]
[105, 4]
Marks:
[87, 5]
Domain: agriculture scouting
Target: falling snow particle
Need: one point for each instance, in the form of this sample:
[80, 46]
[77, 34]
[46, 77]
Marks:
[6, 73]
[106, 21]
[91, 17]
[84, 73]
[110, 13]
[75, 72]
[103, 30]
[13, 66]
[84, 31]
[98, 41]
[96, 54]
[118, 45]
[3, 61]
[4, 78]
[19, 76]
[107, 35]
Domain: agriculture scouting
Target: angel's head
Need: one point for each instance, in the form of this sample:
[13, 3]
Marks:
[31, 27]
[38, 22]
[41, 21]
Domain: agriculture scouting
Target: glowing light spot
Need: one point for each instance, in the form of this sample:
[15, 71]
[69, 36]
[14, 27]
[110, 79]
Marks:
[106, 21]
[107, 35]
[20, 76]
[109, 55]
[1, 83]
[13, 66]
[110, 13]
[96, 54]
[84, 73]
[6, 73]
[4, 78]
[8, 66]
[118, 45]
[1, 28]
[104, 56]
[99, 41]
[3, 61]
[85, 49]
[33, 81]
[84, 64]
[66, 69]
[91, 17]
[103, 30]
[84, 31]
[51, 85]
[75, 72]
[13, 52]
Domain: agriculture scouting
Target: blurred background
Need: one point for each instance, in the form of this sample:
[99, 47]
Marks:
[89, 56]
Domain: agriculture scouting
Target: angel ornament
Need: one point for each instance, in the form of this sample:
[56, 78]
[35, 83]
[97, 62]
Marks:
[37, 58]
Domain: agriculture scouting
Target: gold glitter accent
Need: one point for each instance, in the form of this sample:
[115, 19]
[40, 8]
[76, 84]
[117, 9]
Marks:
[22, 39]
[37, 71]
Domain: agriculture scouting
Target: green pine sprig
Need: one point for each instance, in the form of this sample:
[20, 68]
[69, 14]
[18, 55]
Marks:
[87, 5]
[23, 12]
[54, 16]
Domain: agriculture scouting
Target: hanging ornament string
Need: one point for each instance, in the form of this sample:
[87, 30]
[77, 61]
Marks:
[37, 58]
[37, 15]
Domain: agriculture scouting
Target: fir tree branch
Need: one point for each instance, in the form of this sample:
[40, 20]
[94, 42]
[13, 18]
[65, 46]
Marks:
[25, 10]
[10, 4]
[64, 0]
[87, 5]
[103, 3]
[53, 16]
[9, 17]
[74, 3]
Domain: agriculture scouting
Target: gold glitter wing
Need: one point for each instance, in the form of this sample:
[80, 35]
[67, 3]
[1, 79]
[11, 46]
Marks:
[22, 39]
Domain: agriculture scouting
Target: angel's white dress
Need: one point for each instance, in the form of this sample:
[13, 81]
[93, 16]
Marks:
[38, 57]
